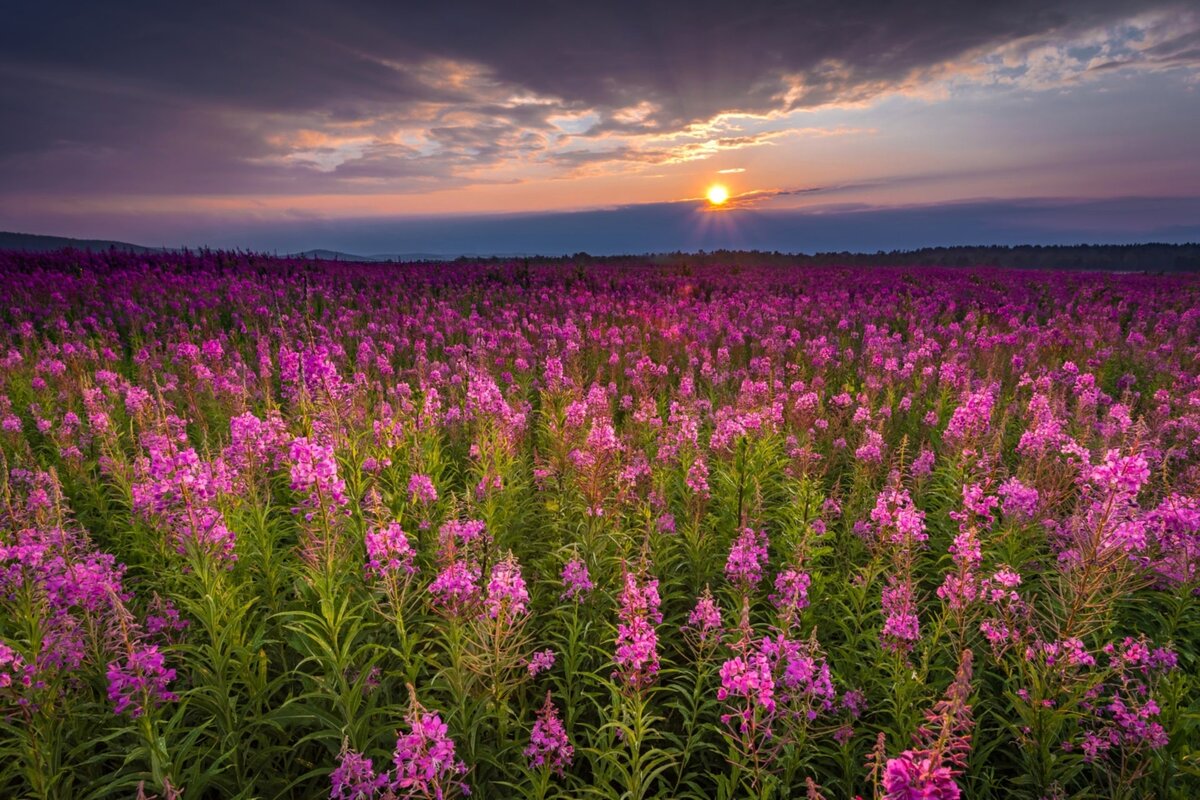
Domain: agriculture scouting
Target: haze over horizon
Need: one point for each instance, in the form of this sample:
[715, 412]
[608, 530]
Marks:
[369, 128]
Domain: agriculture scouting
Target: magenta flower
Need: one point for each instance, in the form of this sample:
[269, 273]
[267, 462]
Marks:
[507, 597]
[1020, 502]
[548, 742]
[15, 673]
[747, 684]
[1121, 475]
[389, 554]
[576, 582]
[355, 778]
[961, 587]
[897, 520]
[703, 626]
[540, 662]
[972, 418]
[456, 588]
[917, 775]
[469, 534]
[424, 762]
[637, 641]
[744, 566]
[180, 491]
[697, 478]
[314, 473]
[791, 595]
[140, 682]
[901, 626]
[421, 489]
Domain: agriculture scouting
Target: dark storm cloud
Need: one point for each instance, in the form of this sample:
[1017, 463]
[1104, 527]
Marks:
[695, 57]
[175, 97]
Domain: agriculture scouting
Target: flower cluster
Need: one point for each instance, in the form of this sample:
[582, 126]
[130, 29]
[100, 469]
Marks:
[897, 519]
[791, 596]
[548, 743]
[314, 471]
[747, 557]
[540, 662]
[575, 580]
[455, 590]
[389, 553]
[507, 598]
[182, 492]
[140, 681]
[355, 778]
[901, 625]
[703, 629]
[748, 684]
[637, 640]
[424, 765]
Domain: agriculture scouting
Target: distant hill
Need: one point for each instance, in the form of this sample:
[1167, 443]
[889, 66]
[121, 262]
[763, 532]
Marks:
[1148, 257]
[40, 244]
[337, 255]
[334, 255]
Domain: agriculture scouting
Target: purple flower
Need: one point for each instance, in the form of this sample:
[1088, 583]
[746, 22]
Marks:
[576, 582]
[896, 519]
[540, 662]
[901, 627]
[703, 626]
[917, 775]
[180, 491]
[961, 587]
[548, 742]
[1121, 475]
[744, 567]
[15, 674]
[636, 655]
[972, 418]
[748, 684]
[424, 762]
[468, 534]
[389, 554]
[1020, 501]
[354, 778]
[314, 473]
[139, 682]
[456, 588]
[421, 489]
[507, 598]
[791, 595]
[697, 478]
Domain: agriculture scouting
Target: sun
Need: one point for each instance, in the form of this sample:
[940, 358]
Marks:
[717, 194]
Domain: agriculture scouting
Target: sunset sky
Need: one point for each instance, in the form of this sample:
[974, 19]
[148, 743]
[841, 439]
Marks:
[403, 127]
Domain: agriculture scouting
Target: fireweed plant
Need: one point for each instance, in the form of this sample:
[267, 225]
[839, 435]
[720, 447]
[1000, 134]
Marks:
[292, 529]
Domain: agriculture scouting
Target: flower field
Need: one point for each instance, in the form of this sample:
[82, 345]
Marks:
[288, 529]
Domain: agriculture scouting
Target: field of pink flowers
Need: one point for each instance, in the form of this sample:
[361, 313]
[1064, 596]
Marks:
[284, 529]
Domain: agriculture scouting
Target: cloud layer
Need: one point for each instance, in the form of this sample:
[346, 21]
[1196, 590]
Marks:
[273, 98]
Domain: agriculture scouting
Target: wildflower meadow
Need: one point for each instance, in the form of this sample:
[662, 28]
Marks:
[276, 528]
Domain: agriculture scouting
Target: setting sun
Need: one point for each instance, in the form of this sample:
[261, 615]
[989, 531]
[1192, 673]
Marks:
[717, 194]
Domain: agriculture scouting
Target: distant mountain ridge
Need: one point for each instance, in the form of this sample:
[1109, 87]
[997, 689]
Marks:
[1145, 257]
[37, 243]
[337, 255]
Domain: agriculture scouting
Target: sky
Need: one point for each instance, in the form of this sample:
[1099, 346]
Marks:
[389, 127]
